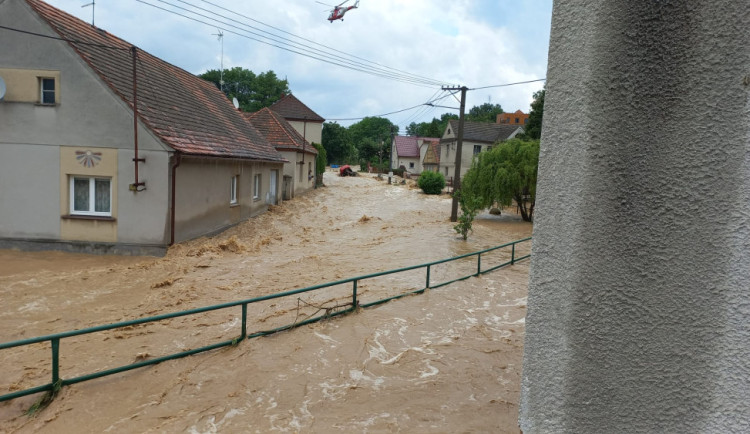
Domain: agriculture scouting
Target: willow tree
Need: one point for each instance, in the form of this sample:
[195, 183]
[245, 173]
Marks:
[503, 175]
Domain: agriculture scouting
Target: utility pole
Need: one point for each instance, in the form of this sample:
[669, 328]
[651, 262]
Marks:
[459, 147]
[390, 157]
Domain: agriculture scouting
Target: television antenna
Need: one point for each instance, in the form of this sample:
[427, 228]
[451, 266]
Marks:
[236, 103]
[220, 36]
[93, 8]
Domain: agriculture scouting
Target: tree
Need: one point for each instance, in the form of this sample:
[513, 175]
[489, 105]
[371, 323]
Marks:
[320, 163]
[372, 138]
[252, 91]
[484, 113]
[533, 127]
[337, 143]
[505, 174]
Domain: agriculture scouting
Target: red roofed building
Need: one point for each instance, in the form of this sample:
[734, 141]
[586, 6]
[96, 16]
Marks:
[410, 151]
[518, 118]
[299, 171]
[301, 117]
[68, 143]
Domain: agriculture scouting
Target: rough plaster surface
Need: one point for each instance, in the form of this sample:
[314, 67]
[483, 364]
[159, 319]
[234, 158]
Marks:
[639, 301]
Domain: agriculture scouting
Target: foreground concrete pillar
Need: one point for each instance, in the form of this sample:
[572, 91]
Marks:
[639, 299]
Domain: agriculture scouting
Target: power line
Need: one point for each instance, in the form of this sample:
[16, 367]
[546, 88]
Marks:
[509, 84]
[291, 46]
[72, 41]
[391, 113]
[335, 50]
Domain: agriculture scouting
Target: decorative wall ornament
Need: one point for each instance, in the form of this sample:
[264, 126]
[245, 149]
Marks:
[88, 158]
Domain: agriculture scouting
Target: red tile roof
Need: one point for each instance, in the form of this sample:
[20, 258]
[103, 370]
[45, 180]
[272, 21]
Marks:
[292, 109]
[406, 146]
[278, 131]
[187, 113]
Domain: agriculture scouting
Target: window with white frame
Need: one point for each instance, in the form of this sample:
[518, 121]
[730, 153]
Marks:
[256, 187]
[233, 190]
[47, 90]
[477, 149]
[90, 196]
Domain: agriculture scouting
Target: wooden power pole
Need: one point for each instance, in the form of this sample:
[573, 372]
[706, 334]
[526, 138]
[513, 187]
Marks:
[459, 147]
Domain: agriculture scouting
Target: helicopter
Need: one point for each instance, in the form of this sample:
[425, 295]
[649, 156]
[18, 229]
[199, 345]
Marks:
[337, 13]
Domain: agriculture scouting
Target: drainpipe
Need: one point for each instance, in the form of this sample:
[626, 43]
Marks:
[134, 187]
[177, 159]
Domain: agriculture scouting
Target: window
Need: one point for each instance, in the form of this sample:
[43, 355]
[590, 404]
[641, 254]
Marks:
[477, 149]
[233, 190]
[256, 187]
[90, 196]
[47, 89]
[411, 165]
[518, 120]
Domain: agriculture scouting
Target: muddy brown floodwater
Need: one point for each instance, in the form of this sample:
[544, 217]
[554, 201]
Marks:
[448, 360]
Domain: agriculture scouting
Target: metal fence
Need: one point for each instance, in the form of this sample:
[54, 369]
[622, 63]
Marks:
[55, 339]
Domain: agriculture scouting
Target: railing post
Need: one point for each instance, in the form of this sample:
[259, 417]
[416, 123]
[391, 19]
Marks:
[354, 294]
[479, 264]
[244, 321]
[512, 253]
[55, 360]
[427, 284]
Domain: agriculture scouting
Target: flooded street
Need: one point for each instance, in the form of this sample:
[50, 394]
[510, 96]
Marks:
[448, 360]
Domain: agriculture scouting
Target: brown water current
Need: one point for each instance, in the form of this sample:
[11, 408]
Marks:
[448, 360]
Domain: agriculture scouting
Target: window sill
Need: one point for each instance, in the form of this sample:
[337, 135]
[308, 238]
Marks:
[255, 199]
[89, 217]
[234, 205]
[39, 104]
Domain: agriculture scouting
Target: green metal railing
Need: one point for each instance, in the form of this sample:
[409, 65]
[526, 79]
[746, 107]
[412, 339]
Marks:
[55, 339]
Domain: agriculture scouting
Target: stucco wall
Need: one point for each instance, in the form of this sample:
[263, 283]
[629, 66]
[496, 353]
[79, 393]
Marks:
[203, 194]
[638, 302]
[37, 145]
[311, 131]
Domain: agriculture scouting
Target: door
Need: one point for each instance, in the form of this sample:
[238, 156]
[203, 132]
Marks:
[272, 187]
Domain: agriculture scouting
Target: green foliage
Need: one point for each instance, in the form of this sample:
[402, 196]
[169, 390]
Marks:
[533, 127]
[252, 91]
[484, 113]
[470, 206]
[372, 137]
[320, 163]
[337, 143]
[431, 182]
[505, 174]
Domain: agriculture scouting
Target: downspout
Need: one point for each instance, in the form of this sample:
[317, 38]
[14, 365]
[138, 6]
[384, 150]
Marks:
[134, 187]
[176, 162]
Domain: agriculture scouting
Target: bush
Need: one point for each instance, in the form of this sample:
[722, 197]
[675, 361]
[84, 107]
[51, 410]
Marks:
[431, 182]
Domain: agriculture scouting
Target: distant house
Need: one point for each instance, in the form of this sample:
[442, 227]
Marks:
[516, 118]
[430, 155]
[409, 152]
[301, 117]
[299, 171]
[78, 173]
[478, 137]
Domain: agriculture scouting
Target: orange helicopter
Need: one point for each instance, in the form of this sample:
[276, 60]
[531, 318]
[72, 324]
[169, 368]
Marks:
[337, 13]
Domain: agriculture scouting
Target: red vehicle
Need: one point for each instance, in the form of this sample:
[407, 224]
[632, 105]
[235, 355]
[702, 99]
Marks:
[346, 170]
[337, 13]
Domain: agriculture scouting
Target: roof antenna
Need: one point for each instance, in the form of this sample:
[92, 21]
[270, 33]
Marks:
[93, 8]
[220, 36]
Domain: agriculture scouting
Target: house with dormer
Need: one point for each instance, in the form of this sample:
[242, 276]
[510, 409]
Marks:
[106, 148]
[477, 137]
[299, 170]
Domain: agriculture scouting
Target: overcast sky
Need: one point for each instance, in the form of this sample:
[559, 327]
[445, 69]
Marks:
[474, 43]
